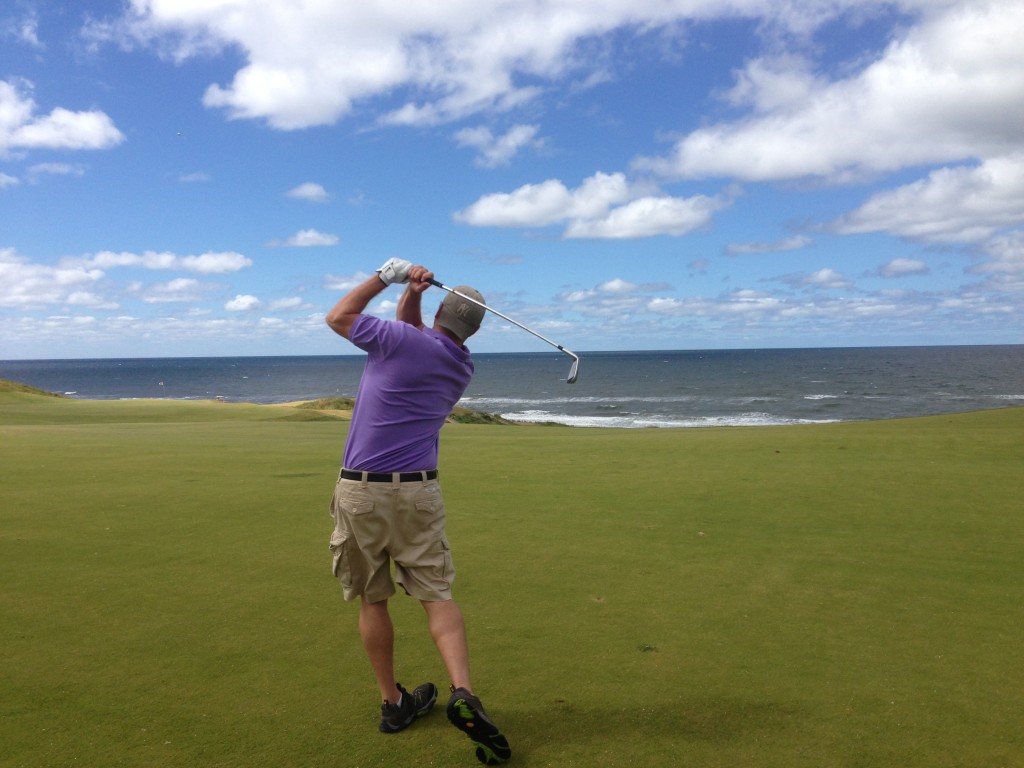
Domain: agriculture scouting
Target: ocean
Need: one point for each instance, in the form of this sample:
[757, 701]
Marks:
[614, 389]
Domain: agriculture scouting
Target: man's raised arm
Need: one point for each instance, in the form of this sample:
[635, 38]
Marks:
[410, 305]
[352, 304]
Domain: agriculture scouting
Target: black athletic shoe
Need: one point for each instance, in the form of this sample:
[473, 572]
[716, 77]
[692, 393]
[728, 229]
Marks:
[467, 714]
[398, 717]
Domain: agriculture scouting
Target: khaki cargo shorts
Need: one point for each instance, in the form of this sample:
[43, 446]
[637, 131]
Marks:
[377, 523]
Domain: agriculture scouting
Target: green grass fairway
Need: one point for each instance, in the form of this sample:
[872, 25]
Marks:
[831, 595]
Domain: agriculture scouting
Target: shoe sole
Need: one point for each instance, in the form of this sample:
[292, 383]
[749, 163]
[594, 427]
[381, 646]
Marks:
[396, 727]
[491, 747]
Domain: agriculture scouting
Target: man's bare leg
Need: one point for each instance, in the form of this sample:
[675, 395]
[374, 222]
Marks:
[464, 709]
[378, 634]
[449, 633]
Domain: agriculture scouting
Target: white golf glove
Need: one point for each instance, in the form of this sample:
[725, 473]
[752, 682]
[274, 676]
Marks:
[395, 271]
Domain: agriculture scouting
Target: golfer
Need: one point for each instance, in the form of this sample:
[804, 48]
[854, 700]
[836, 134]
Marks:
[387, 504]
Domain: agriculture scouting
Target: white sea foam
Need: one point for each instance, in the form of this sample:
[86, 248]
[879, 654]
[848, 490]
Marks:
[481, 401]
[634, 421]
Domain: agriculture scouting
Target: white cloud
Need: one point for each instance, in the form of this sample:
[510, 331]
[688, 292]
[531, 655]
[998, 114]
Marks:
[28, 31]
[24, 29]
[604, 206]
[293, 302]
[385, 308]
[952, 205]
[21, 128]
[822, 279]
[194, 178]
[825, 278]
[946, 91]
[55, 169]
[8, 181]
[243, 303]
[215, 263]
[309, 62]
[497, 151]
[1003, 265]
[618, 285]
[649, 217]
[314, 193]
[306, 238]
[311, 238]
[546, 203]
[795, 243]
[91, 300]
[210, 263]
[903, 267]
[26, 285]
[344, 283]
[180, 290]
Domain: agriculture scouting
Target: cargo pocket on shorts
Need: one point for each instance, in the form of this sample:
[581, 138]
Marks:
[446, 571]
[339, 552]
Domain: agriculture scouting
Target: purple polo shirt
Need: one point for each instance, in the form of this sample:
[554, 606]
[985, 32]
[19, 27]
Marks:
[411, 381]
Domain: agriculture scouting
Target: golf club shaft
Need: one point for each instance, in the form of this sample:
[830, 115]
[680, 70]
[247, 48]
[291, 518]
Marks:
[437, 284]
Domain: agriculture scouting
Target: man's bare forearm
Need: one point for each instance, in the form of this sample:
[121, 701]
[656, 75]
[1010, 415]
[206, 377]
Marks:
[410, 307]
[352, 304]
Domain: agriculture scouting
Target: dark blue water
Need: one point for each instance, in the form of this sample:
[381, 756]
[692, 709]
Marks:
[615, 389]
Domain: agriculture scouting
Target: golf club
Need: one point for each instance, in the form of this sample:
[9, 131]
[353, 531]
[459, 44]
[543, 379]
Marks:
[573, 371]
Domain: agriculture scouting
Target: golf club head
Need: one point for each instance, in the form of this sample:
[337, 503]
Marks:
[573, 372]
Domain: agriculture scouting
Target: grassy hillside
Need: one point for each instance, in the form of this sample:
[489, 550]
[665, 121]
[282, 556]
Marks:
[825, 595]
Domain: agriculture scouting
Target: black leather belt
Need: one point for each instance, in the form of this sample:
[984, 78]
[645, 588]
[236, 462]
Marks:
[389, 477]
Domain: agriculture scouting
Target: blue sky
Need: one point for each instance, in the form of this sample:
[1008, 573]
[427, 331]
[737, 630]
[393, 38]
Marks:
[187, 177]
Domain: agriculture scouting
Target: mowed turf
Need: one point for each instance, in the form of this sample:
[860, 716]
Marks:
[831, 595]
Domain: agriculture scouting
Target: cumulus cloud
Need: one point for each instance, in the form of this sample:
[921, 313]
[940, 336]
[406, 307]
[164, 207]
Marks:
[822, 279]
[344, 282]
[946, 90]
[310, 191]
[243, 303]
[795, 243]
[306, 238]
[292, 302]
[309, 63]
[604, 206]
[22, 128]
[179, 290]
[210, 263]
[954, 205]
[903, 267]
[497, 151]
[1003, 264]
[618, 285]
[649, 217]
[55, 169]
[79, 281]
[26, 285]
[827, 278]
[550, 202]
[90, 300]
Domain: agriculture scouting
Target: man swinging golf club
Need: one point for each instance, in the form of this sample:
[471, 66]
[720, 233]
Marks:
[387, 504]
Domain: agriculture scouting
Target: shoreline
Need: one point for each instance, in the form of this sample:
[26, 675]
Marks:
[341, 407]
